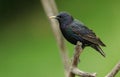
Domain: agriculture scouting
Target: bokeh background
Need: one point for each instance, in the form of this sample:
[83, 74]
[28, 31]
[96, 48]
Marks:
[28, 47]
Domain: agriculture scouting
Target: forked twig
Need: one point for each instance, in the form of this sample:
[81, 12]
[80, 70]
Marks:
[74, 69]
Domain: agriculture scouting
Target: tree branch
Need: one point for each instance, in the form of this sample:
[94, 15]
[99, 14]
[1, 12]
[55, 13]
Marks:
[51, 10]
[75, 60]
[73, 69]
[114, 71]
[80, 73]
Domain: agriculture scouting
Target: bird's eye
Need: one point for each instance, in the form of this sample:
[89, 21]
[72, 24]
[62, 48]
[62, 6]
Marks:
[60, 16]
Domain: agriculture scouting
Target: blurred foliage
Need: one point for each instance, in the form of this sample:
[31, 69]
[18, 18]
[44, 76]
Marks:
[28, 47]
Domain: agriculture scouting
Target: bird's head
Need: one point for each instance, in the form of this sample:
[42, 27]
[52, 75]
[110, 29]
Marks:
[63, 18]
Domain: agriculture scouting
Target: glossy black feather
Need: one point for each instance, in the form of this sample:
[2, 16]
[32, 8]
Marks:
[74, 30]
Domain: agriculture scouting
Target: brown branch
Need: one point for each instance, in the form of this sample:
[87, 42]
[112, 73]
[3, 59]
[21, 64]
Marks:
[51, 10]
[75, 60]
[80, 73]
[114, 71]
[77, 52]
[73, 69]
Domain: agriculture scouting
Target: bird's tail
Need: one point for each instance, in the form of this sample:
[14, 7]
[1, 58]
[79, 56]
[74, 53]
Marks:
[97, 47]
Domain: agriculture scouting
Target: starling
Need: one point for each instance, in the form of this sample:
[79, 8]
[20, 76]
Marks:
[74, 30]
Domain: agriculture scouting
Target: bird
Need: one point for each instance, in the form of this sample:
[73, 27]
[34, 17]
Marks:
[74, 30]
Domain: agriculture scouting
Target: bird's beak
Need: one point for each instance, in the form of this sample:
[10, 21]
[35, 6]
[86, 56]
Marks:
[52, 17]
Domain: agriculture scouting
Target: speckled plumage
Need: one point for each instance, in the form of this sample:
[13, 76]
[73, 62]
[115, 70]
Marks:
[74, 30]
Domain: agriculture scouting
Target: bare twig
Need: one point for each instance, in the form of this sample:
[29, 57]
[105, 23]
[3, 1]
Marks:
[114, 71]
[73, 69]
[51, 10]
[80, 73]
[75, 60]
[78, 50]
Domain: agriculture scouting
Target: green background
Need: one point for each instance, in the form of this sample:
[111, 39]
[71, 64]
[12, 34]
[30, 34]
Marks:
[28, 47]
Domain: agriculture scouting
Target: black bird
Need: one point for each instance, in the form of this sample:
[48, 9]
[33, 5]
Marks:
[74, 30]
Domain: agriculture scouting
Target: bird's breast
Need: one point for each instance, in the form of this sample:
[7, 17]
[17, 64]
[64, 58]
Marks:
[68, 34]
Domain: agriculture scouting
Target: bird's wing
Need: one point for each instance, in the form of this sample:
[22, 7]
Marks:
[85, 33]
